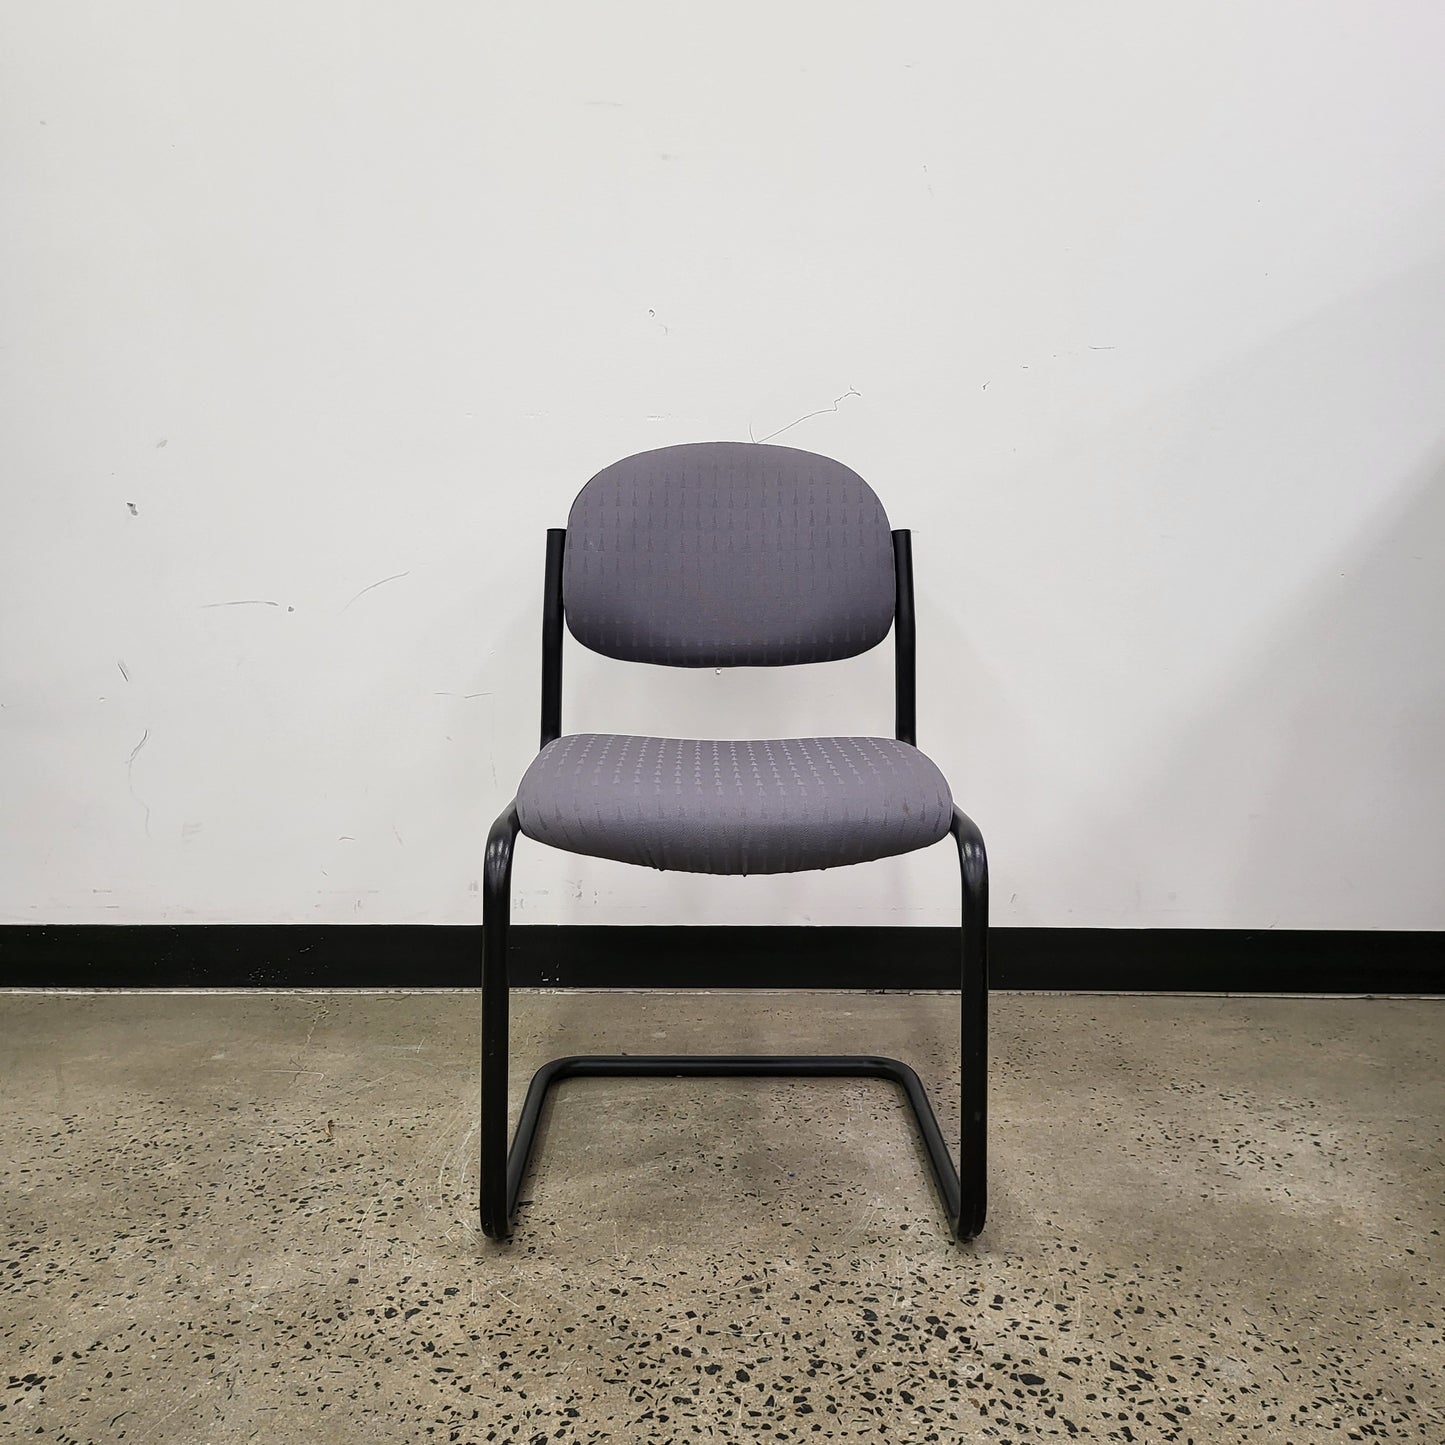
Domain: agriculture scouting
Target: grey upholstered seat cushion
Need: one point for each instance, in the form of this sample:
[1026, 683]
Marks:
[698, 806]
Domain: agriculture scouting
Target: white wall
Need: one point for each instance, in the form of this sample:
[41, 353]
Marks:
[1142, 307]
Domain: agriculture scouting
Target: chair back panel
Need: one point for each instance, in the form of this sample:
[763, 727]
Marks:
[728, 554]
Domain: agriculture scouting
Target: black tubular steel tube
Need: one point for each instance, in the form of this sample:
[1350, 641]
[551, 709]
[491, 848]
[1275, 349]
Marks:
[905, 667]
[973, 999]
[552, 637]
[496, 922]
[726, 1066]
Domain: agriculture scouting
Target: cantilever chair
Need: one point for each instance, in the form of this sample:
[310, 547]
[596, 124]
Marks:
[730, 554]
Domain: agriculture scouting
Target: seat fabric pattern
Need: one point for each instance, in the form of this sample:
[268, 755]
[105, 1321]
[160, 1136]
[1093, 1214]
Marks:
[728, 554]
[702, 806]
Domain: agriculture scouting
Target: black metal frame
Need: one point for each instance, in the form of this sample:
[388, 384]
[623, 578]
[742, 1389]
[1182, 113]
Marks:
[963, 1191]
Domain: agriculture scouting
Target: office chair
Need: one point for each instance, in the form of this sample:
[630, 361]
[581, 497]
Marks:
[730, 554]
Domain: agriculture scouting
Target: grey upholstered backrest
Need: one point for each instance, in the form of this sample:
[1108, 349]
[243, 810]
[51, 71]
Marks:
[728, 554]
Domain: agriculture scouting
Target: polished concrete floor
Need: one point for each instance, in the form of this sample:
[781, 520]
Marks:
[232, 1218]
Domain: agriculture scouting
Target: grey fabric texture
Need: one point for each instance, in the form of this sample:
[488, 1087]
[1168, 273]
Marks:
[728, 554]
[702, 806]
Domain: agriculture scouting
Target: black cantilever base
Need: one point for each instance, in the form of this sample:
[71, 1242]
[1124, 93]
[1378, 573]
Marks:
[864, 1066]
[963, 1190]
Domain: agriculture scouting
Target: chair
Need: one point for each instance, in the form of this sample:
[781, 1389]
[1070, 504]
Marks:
[730, 554]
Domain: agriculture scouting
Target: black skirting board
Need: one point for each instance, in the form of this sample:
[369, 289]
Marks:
[1166, 960]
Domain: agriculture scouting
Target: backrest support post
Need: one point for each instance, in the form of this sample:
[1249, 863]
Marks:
[552, 637]
[905, 668]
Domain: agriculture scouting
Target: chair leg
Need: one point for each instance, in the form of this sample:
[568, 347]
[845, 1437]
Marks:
[973, 999]
[496, 923]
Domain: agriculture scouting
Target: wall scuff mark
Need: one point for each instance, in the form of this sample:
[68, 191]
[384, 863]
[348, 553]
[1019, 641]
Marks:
[822, 411]
[375, 585]
[130, 778]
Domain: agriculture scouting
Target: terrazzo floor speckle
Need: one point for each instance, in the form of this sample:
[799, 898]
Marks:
[230, 1218]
